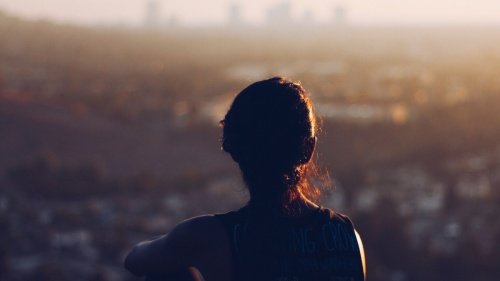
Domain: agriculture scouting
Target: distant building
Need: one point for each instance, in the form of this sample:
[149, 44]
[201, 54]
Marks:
[339, 14]
[280, 14]
[152, 15]
[308, 17]
[235, 14]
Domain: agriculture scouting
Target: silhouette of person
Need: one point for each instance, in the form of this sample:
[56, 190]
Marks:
[280, 234]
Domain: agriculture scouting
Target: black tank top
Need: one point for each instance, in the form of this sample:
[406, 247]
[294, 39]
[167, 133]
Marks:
[319, 246]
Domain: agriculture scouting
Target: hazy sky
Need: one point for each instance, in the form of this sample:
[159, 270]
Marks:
[203, 12]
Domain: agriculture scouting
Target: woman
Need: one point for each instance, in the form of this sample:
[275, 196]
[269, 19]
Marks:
[270, 131]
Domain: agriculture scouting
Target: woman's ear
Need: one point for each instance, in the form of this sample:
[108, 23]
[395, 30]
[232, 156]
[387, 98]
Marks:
[309, 147]
[228, 146]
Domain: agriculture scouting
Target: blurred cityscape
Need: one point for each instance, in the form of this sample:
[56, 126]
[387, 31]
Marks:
[276, 14]
[110, 136]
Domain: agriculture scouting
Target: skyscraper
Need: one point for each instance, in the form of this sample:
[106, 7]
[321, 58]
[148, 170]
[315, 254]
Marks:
[152, 13]
[339, 14]
[235, 14]
[280, 14]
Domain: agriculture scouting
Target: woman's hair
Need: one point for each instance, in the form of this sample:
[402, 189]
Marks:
[270, 131]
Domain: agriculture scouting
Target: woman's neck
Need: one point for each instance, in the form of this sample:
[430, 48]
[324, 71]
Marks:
[298, 207]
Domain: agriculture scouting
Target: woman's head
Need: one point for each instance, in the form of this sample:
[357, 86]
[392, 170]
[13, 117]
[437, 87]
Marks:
[270, 131]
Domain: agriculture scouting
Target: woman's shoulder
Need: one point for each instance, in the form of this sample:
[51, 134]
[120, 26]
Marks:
[334, 216]
[198, 228]
[205, 238]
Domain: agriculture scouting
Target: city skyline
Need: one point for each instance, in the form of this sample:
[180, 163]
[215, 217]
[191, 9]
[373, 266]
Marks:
[220, 12]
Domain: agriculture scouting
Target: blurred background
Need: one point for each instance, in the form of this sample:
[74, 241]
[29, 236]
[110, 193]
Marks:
[109, 130]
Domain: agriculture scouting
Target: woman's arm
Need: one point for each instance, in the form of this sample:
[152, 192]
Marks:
[361, 251]
[158, 255]
[188, 274]
[198, 242]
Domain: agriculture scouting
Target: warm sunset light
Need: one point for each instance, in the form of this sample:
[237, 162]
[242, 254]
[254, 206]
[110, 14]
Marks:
[109, 135]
